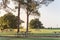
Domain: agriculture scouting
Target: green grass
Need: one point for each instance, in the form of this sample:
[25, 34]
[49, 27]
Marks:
[7, 33]
[31, 34]
[2, 38]
[34, 32]
[44, 34]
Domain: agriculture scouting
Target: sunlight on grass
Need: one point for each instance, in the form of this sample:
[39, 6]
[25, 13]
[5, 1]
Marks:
[33, 31]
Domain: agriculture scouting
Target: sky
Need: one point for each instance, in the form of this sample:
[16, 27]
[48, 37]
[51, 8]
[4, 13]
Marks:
[50, 15]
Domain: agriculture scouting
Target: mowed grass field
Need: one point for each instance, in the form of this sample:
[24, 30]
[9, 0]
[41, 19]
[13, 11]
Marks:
[37, 32]
[3, 38]
[32, 32]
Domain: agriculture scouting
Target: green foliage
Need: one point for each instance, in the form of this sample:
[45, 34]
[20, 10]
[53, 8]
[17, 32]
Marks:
[35, 23]
[8, 21]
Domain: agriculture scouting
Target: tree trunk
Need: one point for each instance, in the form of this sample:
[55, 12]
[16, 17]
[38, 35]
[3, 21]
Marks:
[18, 17]
[27, 21]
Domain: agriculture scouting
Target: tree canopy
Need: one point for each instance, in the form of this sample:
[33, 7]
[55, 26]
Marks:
[8, 21]
[35, 23]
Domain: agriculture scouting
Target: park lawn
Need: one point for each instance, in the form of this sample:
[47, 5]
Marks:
[44, 30]
[4, 38]
[7, 33]
[34, 32]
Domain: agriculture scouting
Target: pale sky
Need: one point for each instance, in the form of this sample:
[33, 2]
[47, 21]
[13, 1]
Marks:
[50, 15]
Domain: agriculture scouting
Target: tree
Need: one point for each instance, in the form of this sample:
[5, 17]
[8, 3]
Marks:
[5, 6]
[32, 6]
[1, 22]
[36, 24]
[18, 15]
[9, 21]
